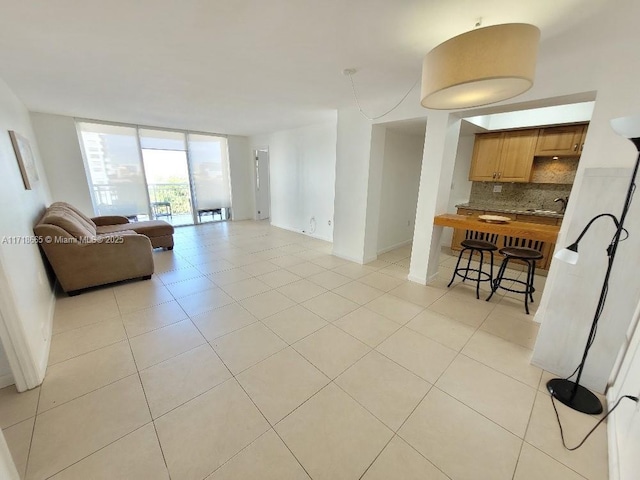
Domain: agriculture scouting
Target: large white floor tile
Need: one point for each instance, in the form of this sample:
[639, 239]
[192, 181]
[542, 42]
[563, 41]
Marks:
[282, 382]
[75, 377]
[459, 441]
[332, 436]
[417, 353]
[498, 397]
[400, 460]
[164, 343]
[70, 432]
[136, 455]
[16, 407]
[223, 320]
[266, 459]
[294, 323]
[245, 347]
[181, 378]
[331, 350]
[590, 460]
[199, 436]
[386, 389]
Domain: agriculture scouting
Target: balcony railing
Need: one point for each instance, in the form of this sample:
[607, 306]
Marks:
[125, 199]
[176, 194]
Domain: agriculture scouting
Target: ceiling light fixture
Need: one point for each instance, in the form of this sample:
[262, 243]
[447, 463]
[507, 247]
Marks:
[483, 66]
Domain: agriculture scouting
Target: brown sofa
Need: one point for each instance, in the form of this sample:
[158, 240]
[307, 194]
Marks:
[85, 252]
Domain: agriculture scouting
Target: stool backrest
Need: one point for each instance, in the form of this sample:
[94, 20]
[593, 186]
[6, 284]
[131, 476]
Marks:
[523, 243]
[487, 237]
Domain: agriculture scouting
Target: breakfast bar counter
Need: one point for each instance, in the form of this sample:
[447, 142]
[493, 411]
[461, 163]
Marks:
[514, 228]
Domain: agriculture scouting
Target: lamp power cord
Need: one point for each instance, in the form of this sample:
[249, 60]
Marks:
[564, 443]
[350, 71]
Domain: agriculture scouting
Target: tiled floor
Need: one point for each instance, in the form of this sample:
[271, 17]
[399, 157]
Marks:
[255, 354]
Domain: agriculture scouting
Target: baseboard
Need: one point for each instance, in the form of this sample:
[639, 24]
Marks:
[44, 361]
[347, 257]
[416, 279]
[612, 441]
[296, 230]
[393, 247]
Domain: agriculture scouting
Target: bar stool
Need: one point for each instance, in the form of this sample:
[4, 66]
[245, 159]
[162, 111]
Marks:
[479, 242]
[527, 251]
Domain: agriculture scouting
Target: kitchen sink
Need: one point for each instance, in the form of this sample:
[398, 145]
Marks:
[541, 211]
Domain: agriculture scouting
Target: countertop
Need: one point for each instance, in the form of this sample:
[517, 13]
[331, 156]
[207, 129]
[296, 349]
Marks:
[532, 231]
[488, 208]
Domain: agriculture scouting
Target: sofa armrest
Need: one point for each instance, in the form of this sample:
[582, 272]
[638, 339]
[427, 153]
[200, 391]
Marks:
[109, 220]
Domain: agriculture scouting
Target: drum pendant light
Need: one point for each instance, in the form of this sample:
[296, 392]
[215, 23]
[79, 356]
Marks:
[483, 66]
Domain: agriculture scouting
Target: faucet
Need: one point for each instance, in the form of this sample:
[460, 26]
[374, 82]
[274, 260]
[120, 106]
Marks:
[563, 201]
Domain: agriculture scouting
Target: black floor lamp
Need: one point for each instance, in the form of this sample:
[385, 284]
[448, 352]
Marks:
[566, 391]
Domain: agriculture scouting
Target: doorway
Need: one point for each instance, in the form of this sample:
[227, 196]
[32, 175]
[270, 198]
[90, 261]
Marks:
[263, 195]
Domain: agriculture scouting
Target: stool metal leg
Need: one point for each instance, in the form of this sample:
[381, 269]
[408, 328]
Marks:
[455, 270]
[531, 288]
[479, 275]
[466, 272]
[526, 289]
[496, 283]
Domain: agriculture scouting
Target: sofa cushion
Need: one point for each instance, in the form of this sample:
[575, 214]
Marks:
[69, 210]
[151, 228]
[84, 218]
[69, 222]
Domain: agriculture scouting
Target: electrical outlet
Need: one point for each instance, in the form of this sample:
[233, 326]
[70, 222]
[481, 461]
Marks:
[329, 222]
[497, 188]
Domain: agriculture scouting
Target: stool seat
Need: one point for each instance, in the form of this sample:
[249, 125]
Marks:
[479, 245]
[522, 253]
[518, 249]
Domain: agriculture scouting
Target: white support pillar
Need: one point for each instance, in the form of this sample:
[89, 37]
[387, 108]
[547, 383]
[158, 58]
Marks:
[438, 160]
[374, 193]
[353, 151]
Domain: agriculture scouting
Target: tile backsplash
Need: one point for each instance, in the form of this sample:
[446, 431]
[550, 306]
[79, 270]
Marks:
[554, 170]
[519, 195]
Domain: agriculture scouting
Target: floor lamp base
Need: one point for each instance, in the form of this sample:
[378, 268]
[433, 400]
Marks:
[582, 400]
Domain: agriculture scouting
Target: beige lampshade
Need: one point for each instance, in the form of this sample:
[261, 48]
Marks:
[480, 67]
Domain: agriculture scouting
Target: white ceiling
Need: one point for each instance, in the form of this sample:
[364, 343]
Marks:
[237, 66]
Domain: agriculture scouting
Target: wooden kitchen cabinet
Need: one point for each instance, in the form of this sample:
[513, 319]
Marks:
[486, 157]
[517, 156]
[503, 156]
[565, 141]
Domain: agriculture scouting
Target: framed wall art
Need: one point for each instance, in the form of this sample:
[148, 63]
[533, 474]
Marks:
[26, 162]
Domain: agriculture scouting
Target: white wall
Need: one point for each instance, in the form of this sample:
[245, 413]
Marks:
[399, 195]
[302, 175]
[623, 426]
[62, 160]
[241, 177]
[460, 184]
[352, 182]
[26, 297]
[570, 309]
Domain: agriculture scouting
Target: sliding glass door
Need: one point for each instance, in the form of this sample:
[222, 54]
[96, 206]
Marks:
[142, 173]
[165, 164]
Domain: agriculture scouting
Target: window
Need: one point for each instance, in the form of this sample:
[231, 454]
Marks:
[153, 173]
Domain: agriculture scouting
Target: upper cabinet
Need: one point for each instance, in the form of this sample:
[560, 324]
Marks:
[566, 141]
[503, 156]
